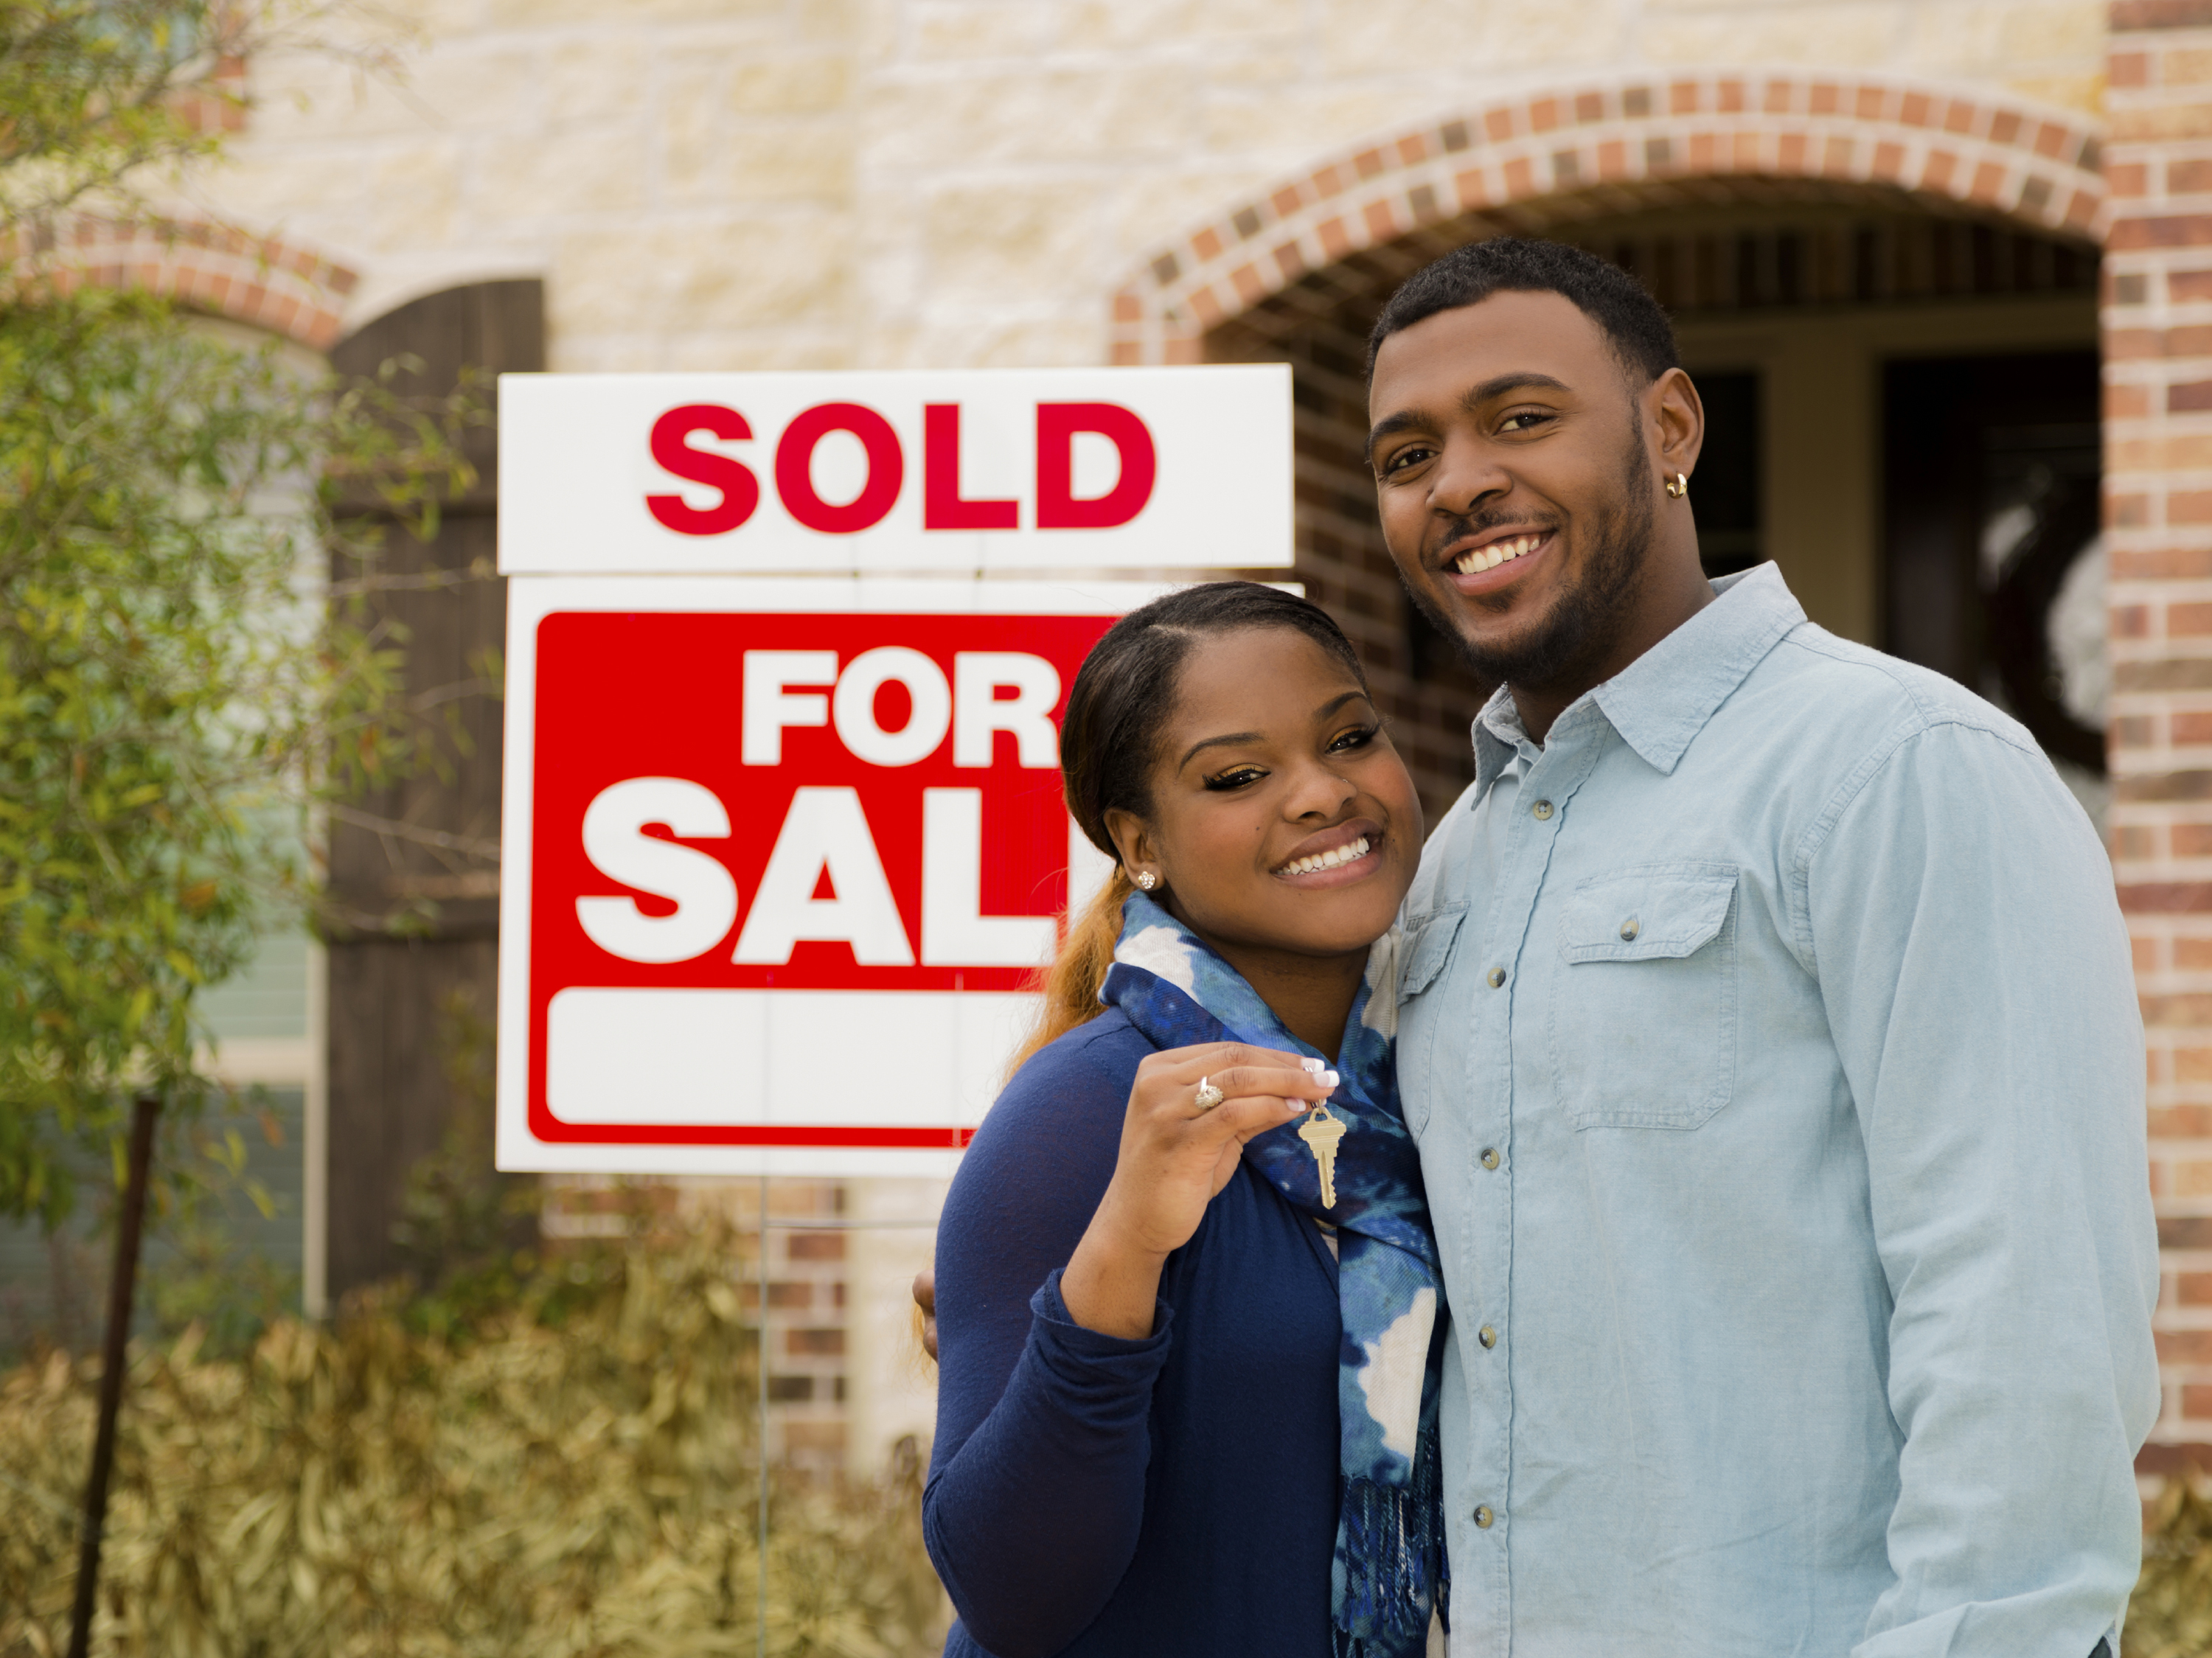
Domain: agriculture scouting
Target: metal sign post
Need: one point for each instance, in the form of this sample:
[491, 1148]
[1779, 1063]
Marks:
[114, 1361]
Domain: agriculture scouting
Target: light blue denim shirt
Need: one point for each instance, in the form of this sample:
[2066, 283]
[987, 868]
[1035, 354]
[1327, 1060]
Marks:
[1770, 1038]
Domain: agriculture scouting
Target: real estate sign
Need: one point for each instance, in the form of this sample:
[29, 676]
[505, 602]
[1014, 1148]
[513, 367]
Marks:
[782, 855]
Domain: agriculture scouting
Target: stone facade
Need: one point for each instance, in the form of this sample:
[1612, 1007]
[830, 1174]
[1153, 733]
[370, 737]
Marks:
[756, 183]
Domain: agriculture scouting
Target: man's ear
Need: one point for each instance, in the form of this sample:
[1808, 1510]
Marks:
[1678, 418]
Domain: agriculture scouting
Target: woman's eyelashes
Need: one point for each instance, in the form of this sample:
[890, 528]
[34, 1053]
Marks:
[1239, 777]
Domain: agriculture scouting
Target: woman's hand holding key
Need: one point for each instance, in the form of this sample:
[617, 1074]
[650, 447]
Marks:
[1177, 1152]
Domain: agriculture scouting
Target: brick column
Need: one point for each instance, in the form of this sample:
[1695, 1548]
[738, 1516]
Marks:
[2158, 485]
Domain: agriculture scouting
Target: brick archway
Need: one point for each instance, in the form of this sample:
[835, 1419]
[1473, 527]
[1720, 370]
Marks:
[1550, 157]
[258, 281]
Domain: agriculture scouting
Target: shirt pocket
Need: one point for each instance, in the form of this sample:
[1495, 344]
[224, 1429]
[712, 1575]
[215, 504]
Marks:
[1644, 1020]
[1428, 946]
[1423, 956]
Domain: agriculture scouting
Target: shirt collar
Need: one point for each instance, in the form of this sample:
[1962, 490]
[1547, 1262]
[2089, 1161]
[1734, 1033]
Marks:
[1499, 735]
[1663, 700]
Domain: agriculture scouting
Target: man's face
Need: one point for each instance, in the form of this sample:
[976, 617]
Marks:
[1516, 483]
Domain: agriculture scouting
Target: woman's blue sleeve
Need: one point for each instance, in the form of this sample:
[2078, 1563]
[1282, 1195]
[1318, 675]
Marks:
[1037, 1484]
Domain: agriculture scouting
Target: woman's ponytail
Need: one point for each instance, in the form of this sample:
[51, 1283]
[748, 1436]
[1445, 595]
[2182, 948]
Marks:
[1072, 983]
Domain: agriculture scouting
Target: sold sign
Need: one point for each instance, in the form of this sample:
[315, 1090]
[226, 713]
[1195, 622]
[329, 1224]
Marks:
[738, 493]
[981, 469]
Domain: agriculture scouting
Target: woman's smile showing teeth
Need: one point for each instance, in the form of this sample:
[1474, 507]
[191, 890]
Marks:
[1490, 556]
[1327, 859]
[1332, 859]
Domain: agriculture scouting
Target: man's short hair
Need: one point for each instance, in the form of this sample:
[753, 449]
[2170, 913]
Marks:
[1637, 328]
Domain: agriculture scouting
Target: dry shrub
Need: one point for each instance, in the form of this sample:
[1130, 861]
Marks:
[576, 1475]
[2170, 1614]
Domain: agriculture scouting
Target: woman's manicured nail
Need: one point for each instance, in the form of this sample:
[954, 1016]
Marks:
[1328, 1077]
[1297, 1108]
[1316, 1066]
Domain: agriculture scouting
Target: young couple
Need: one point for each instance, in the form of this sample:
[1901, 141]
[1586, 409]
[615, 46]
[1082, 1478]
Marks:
[1737, 1241]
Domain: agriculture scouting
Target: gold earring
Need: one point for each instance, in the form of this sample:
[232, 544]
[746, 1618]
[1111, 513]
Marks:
[1679, 485]
[1147, 880]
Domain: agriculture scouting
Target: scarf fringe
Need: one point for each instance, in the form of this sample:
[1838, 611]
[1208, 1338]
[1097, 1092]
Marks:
[1391, 1564]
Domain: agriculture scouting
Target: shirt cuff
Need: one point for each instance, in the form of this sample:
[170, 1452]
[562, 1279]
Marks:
[1057, 1331]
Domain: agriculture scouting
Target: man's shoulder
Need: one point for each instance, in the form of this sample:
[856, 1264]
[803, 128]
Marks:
[1861, 703]
[1838, 732]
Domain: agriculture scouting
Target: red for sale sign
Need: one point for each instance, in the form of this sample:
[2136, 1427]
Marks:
[785, 860]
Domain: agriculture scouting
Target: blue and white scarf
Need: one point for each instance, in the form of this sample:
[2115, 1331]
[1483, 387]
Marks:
[1390, 1568]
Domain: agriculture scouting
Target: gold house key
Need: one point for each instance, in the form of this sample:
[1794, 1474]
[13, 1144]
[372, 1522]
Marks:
[1321, 1132]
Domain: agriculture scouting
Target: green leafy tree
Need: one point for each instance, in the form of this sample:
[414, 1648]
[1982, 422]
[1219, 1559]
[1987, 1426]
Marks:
[180, 689]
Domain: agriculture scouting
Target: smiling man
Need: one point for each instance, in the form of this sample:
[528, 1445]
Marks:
[1769, 1033]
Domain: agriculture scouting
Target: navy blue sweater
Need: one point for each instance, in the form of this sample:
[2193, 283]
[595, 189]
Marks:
[1171, 1497]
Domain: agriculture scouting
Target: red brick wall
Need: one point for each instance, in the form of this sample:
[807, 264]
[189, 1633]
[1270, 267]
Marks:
[2158, 486]
[1554, 156]
[261, 282]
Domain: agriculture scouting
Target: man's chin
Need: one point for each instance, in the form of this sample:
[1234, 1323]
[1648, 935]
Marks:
[1498, 635]
[1560, 647]
[1517, 656]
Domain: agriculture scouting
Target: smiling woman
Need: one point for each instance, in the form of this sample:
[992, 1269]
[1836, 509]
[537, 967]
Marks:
[1233, 822]
[1090, 1490]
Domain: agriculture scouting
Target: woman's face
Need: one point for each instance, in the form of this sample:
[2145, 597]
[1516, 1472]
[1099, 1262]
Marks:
[1282, 819]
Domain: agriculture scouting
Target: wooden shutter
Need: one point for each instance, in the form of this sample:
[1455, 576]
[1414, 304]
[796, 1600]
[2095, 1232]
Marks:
[413, 975]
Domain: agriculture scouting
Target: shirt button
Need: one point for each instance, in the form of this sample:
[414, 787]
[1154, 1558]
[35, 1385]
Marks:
[1497, 978]
[1483, 1517]
[1486, 1336]
[1490, 1157]
[1540, 810]
[1628, 929]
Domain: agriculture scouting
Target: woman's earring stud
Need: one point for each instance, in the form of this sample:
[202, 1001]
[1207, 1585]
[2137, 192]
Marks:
[1147, 880]
[1679, 485]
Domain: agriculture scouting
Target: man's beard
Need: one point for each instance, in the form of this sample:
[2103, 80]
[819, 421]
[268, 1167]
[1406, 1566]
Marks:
[1587, 615]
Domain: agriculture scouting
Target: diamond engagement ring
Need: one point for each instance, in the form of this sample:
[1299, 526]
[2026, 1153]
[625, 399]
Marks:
[1208, 1094]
